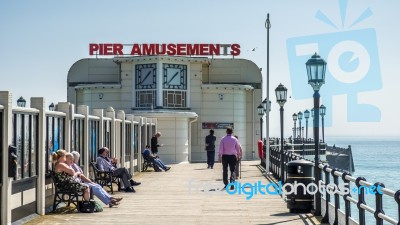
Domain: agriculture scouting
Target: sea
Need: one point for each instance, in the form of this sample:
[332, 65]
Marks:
[377, 159]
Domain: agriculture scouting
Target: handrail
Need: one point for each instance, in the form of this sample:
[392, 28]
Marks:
[79, 116]
[346, 177]
[91, 117]
[55, 113]
[17, 109]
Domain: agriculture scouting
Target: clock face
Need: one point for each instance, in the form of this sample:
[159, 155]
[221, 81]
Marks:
[175, 76]
[146, 76]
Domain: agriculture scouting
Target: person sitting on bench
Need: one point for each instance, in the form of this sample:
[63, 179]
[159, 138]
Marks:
[66, 174]
[97, 190]
[104, 163]
[155, 159]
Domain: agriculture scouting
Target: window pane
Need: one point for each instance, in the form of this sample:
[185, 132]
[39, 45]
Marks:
[72, 135]
[26, 148]
[19, 146]
[61, 133]
[50, 147]
[81, 140]
[34, 145]
[56, 135]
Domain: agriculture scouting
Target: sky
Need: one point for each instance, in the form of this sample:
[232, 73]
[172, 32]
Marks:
[40, 41]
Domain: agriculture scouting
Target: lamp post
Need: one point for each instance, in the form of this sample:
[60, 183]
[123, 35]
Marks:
[260, 110]
[51, 107]
[266, 142]
[300, 117]
[266, 104]
[322, 113]
[294, 129]
[21, 102]
[316, 68]
[312, 116]
[281, 96]
[306, 116]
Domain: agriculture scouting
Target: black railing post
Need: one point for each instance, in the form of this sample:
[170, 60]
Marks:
[378, 202]
[325, 219]
[271, 161]
[347, 202]
[361, 200]
[337, 200]
[261, 128]
[397, 199]
[282, 150]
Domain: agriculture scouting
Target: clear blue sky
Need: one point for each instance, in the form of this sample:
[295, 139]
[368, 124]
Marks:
[40, 40]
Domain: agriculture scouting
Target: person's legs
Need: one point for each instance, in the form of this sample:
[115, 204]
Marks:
[124, 175]
[212, 158]
[232, 166]
[208, 159]
[99, 192]
[237, 169]
[225, 159]
[160, 164]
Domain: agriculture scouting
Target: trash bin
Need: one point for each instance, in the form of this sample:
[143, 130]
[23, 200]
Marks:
[301, 172]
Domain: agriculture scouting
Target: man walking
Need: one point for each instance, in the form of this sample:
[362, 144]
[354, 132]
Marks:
[210, 148]
[229, 150]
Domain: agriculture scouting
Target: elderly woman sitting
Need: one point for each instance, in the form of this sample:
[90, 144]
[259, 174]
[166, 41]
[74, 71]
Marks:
[66, 174]
[98, 191]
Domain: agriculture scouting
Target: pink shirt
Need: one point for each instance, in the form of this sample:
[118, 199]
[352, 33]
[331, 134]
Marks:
[229, 145]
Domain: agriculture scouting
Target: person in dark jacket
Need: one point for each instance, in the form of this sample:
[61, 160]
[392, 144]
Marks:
[154, 143]
[210, 148]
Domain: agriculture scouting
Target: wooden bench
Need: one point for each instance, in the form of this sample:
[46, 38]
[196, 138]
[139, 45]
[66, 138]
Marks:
[105, 178]
[65, 192]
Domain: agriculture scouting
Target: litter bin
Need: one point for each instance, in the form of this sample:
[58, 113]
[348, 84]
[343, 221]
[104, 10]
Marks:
[301, 172]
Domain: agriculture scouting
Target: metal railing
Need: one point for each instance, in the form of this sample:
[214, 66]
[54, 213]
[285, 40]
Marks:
[331, 209]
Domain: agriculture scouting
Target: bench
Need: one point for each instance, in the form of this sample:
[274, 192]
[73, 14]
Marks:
[65, 192]
[105, 178]
[146, 163]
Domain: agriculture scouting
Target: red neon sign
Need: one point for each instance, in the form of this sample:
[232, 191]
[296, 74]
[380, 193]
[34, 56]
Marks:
[165, 49]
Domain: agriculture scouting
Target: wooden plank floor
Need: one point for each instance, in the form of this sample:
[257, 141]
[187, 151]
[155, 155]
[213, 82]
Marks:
[165, 198]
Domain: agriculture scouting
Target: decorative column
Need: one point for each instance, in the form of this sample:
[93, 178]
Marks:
[6, 101]
[39, 103]
[111, 114]
[121, 116]
[84, 110]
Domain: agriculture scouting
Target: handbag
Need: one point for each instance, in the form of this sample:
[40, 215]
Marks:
[98, 207]
[86, 206]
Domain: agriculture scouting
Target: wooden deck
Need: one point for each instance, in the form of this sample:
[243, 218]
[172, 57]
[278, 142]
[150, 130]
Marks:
[165, 198]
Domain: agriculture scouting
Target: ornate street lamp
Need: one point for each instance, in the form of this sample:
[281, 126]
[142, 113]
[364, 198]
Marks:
[51, 107]
[306, 116]
[266, 104]
[21, 102]
[294, 129]
[316, 68]
[260, 110]
[300, 117]
[322, 113]
[281, 96]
